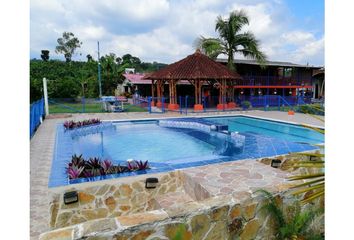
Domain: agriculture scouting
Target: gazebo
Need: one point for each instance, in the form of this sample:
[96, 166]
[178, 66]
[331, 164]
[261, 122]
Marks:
[198, 69]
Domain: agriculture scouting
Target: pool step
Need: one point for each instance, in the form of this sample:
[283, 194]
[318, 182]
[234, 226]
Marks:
[173, 199]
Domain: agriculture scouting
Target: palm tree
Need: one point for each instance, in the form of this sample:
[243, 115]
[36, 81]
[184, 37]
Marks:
[231, 41]
[292, 222]
[314, 176]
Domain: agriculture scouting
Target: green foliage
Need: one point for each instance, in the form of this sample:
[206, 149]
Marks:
[246, 104]
[316, 109]
[67, 80]
[111, 73]
[67, 45]
[314, 185]
[291, 222]
[45, 55]
[231, 40]
[64, 79]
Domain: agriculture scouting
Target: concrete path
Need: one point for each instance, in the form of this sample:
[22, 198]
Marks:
[42, 145]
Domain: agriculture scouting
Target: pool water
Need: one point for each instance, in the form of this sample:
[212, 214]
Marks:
[170, 148]
[141, 142]
[273, 129]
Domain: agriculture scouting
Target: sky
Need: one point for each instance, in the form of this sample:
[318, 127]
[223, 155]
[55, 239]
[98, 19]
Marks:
[166, 30]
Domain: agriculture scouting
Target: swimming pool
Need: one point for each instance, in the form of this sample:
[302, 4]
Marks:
[184, 143]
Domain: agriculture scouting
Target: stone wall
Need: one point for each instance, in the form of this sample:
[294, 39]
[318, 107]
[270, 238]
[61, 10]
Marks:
[214, 218]
[111, 198]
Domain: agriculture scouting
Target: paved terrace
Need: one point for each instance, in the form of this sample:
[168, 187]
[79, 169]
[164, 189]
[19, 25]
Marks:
[42, 145]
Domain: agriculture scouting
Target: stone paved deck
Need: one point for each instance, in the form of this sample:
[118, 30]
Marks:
[42, 145]
[239, 178]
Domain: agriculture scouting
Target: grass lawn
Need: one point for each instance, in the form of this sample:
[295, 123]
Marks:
[89, 108]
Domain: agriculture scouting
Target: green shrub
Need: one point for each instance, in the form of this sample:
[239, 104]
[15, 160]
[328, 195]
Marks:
[316, 109]
[246, 104]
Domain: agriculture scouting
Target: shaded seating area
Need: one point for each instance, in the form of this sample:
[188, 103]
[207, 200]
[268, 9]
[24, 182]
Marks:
[199, 70]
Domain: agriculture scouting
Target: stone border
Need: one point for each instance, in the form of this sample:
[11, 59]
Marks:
[213, 218]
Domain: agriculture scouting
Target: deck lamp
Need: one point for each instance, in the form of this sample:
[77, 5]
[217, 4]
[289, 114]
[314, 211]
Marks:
[275, 163]
[259, 92]
[275, 91]
[151, 182]
[241, 91]
[71, 197]
[290, 92]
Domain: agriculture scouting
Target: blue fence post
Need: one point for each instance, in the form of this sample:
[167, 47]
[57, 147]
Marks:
[180, 104]
[204, 104]
[163, 104]
[149, 104]
[186, 103]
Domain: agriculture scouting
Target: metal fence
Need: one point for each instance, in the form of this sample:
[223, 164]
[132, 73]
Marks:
[96, 105]
[36, 115]
[185, 104]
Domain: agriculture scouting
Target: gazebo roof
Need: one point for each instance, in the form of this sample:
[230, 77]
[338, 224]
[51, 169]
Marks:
[194, 67]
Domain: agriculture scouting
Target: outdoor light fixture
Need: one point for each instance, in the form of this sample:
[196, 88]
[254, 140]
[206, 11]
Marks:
[290, 92]
[259, 92]
[275, 91]
[241, 91]
[151, 182]
[275, 163]
[71, 197]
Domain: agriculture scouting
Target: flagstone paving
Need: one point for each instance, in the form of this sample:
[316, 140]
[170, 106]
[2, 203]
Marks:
[234, 177]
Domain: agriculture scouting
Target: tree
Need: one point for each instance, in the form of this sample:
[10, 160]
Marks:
[118, 60]
[68, 45]
[112, 73]
[89, 58]
[231, 40]
[45, 55]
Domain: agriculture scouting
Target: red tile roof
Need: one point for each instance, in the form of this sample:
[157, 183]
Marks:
[140, 78]
[136, 78]
[195, 66]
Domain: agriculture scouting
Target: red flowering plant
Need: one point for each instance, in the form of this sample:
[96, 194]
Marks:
[72, 124]
[78, 167]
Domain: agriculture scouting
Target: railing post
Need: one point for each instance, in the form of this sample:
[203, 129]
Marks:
[180, 104]
[278, 103]
[149, 104]
[163, 104]
[186, 103]
[264, 103]
[204, 104]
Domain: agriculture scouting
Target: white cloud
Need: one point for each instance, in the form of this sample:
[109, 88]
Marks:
[163, 30]
[311, 50]
[298, 37]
